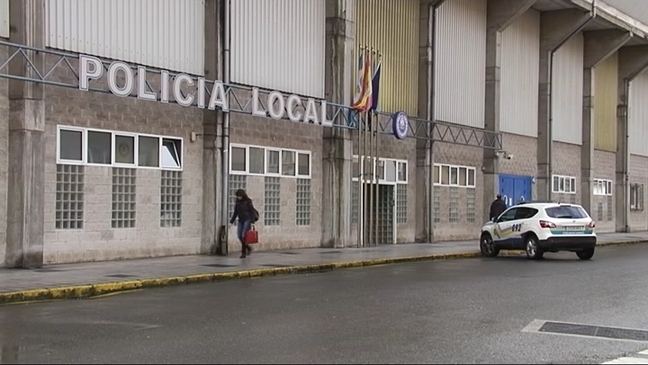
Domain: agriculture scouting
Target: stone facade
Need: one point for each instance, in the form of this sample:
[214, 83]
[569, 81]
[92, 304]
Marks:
[603, 206]
[638, 174]
[266, 132]
[567, 162]
[524, 161]
[391, 148]
[97, 240]
[456, 209]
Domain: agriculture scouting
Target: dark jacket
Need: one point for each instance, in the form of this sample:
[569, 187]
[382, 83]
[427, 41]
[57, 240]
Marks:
[497, 207]
[244, 211]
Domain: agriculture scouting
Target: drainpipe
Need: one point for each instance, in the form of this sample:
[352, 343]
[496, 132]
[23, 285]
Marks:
[430, 112]
[226, 120]
[552, 52]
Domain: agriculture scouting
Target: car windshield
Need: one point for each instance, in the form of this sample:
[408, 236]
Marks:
[566, 212]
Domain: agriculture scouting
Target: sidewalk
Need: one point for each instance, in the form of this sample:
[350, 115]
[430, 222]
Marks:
[95, 278]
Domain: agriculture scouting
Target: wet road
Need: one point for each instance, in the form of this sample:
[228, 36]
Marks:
[463, 311]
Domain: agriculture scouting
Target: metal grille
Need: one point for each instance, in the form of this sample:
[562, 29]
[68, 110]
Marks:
[453, 207]
[123, 197]
[470, 205]
[610, 208]
[401, 203]
[437, 208]
[271, 216]
[235, 182]
[354, 202]
[303, 202]
[69, 196]
[171, 199]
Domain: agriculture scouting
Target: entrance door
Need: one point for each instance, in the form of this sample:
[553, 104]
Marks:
[515, 188]
[383, 215]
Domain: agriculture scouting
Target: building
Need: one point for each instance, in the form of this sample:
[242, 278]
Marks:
[143, 118]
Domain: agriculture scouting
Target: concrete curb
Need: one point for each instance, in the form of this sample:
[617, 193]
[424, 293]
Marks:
[92, 290]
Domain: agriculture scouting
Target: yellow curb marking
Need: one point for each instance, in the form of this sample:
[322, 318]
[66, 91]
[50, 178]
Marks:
[105, 289]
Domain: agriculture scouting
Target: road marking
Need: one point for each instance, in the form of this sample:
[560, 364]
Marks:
[628, 360]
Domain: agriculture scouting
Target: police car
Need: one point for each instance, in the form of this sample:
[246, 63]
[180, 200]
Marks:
[538, 228]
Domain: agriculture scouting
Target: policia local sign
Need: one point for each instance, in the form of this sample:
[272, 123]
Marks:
[278, 105]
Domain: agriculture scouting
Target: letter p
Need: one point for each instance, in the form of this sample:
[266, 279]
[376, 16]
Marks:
[89, 68]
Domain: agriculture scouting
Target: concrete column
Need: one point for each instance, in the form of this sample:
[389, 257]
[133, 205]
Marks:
[337, 152]
[632, 62]
[556, 28]
[211, 136]
[599, 45]
[26, 185]
[501, 14]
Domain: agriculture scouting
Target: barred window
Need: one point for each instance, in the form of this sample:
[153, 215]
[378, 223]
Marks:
[401, 203]
[453, 207]
[303, 202]
[272, 201]
[470, 205]
[123, 197]
[236, 182]
[69, 196]
[171, 198]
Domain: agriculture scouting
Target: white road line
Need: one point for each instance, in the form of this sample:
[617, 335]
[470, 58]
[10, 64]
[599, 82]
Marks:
[628, 360]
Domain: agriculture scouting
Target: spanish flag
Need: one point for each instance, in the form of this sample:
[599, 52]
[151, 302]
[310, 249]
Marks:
[363, 100]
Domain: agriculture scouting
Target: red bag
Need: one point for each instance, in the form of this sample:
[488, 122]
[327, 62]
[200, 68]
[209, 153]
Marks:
[251, 236]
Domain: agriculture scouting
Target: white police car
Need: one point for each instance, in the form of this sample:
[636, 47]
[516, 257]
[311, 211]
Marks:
[538, 228]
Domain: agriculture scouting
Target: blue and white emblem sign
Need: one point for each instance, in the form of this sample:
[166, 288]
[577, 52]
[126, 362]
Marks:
[400, 125]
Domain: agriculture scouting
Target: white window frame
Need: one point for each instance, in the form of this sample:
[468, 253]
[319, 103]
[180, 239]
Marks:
[310, 164]
[248, 160]
[135, 149]
[268, 149]
[563, 179]
[439, 181]
[602, 187]
[383, 180]
[114, 133]
[59, 160]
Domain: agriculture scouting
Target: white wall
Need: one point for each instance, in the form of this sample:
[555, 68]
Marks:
[461, 62]
[638, 115]
[167, 34]
[520, 67]
[567, 89]
[279, 45]
[4, 18]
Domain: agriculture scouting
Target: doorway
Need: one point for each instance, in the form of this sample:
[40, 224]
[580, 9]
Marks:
[515, 188]
[379, 220]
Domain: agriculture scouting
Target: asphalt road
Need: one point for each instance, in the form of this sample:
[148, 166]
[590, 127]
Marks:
[462, 311]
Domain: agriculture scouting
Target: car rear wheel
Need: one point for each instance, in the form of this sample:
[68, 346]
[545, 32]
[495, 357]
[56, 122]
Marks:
[532, 249]
[487, 246]
[585, 254]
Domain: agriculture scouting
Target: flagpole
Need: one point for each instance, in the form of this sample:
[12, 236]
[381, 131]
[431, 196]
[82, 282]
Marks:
[363, 166]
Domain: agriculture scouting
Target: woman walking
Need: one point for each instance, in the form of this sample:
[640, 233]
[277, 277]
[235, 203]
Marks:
[246, 214]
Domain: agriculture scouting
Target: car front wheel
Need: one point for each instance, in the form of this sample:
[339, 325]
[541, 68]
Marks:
[585, 254]
[532, 249]
[487, 246]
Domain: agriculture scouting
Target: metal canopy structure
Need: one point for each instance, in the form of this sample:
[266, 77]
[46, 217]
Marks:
[240, 98]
